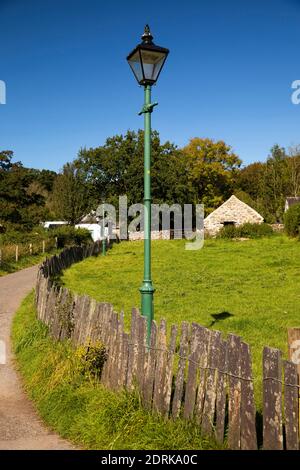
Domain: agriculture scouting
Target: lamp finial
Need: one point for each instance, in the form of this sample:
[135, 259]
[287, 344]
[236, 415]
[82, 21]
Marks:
[147, 36]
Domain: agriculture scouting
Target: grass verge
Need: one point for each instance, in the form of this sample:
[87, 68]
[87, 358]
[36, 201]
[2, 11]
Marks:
[24, 262]
[78, 407]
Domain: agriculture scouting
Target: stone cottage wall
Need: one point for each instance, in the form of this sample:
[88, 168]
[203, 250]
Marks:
[233, 210]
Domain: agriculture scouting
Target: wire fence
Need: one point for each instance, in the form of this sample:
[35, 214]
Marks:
[13, 253]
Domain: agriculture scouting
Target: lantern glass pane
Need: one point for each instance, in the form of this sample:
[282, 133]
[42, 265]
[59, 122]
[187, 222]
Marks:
[136, 66]
[152, 63]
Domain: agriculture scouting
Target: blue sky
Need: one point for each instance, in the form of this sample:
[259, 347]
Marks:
[228, 75]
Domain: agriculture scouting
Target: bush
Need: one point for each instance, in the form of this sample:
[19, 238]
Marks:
[228, 231]
[91, 359]
[18, 237]
[246, 231]
[68, 235]
[256, 230]
[292, 221]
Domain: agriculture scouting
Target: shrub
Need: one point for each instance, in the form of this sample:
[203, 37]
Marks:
[256, 230]
[68, 235]
[91, 359]
[246, 231]
[292, 221]
[12, 236]
[228, 231]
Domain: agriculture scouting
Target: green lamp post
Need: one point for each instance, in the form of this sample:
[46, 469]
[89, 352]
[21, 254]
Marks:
[146, 62]
[104, 246]
[103, 235]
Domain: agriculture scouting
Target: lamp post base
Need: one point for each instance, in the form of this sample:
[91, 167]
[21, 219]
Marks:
[147, 290]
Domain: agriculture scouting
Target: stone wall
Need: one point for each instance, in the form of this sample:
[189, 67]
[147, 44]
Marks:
[155, 235]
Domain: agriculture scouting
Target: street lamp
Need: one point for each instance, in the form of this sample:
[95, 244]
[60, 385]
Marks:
[146, 62]
[103, 234]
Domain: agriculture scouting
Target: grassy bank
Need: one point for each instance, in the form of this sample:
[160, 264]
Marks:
[24, 262]
[250, 288]
[77, 406]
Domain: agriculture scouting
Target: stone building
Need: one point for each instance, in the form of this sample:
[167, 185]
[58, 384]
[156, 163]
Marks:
[231, 212]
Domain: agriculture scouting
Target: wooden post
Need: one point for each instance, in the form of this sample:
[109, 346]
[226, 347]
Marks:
[192, 373]
[272, 399]
[294, 346]
[204, 347]
[17, 253]
[56, 242]
[160, 369]
[248, 410]
[209, 404]
[291, 406]
[43, 249]
[221, 393]
[150, 367]
[167, 389]
[234, 395]
[132, 354]
[30, 248]
[179, 384]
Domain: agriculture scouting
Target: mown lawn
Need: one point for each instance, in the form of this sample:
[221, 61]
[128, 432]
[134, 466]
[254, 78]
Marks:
[250, 288]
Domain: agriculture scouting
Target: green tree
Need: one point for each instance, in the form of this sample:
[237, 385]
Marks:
[23, 193]
[117, 169]
[250, 179]
[212, 168]
[269, 183]
[276, 183]
[293, 170]
[69, 199]
[5, 160]
[251, 188]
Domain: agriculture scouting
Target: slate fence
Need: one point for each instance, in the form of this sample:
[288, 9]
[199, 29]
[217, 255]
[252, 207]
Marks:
[191, 372]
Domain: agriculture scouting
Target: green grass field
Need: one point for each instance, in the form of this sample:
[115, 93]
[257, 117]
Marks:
[249, 288]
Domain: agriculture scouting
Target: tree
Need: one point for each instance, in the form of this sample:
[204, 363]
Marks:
[250, 179]
[117, 168]
[211, 168]
[276, 180]
[23, 193]
[69, 200]
[251, 188]
[293, 170]
[269, 183]
[5, 160]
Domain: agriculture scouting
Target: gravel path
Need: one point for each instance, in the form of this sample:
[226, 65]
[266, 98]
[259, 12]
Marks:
[20, 427]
